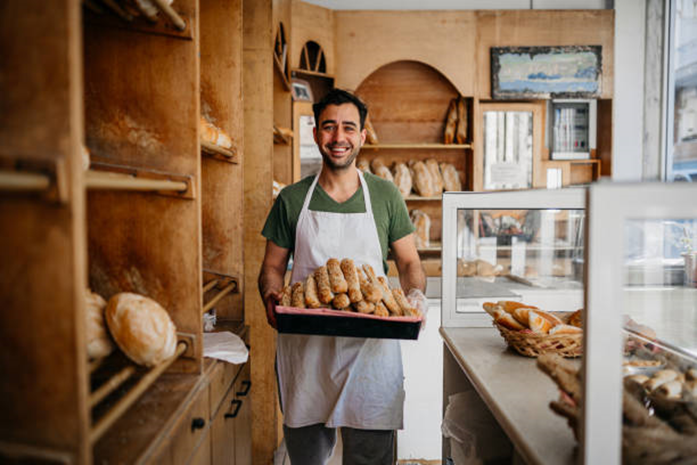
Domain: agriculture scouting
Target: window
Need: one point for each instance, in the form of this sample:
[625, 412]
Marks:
[681, 117]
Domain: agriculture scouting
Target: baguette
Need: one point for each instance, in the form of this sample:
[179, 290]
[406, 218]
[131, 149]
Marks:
[510, 305]
[450, 122]
[297, 295]
[311, 298]
[565, 329]
[285, 296]
[336, 277]
[521, 315]
[659, 378]
[381, 310]
[461, 132]
[670, 389]
[364, 306]
[576, 319]
[354, 286]
[324, 290]
[553, 320]
[371, 292]
[506, 320]
[401, 299]
[341, 301]
[490, 307]
[537, 323]
[388, 298]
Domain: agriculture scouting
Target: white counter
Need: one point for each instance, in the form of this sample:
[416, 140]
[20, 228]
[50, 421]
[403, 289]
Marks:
[516, 392]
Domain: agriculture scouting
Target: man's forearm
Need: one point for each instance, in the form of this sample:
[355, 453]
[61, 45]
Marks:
[270, 280]
[412, 276]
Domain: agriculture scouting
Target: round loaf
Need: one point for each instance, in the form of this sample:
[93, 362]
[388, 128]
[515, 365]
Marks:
[99, 344]
[141, 328]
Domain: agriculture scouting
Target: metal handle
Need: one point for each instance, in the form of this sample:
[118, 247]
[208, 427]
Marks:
[247, 386]
[237, 403]
[197, 423]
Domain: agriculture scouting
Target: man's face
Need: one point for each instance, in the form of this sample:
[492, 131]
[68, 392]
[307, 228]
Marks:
[339, 135]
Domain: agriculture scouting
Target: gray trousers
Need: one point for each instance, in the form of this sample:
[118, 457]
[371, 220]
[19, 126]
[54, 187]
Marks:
[313, 445]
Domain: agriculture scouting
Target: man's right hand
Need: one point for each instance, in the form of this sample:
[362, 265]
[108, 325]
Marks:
[271, 299]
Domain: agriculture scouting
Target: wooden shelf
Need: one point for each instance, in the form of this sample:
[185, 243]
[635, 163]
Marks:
[117, 17]
[17, 181]
[281, 72]
[311, 73]
[433, 247]
[113, 177]
[410, 198]
[590, 161]
[429, 146]
[219, 153]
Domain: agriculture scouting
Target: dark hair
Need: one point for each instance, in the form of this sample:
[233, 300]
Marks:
[339, 97]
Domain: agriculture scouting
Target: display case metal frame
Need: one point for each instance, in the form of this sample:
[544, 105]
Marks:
[610, 206]
[537, 199]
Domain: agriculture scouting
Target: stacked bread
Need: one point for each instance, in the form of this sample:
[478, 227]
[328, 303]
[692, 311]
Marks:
[668, 383]
[426, 178]
[517, 316]
[141, 328]
[214, 135]
[342, 285]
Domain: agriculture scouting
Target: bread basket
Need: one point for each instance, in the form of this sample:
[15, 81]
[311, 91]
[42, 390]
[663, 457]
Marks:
[534, 344]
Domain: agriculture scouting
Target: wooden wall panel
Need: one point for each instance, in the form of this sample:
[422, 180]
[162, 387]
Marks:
[367, 40]
[130, 78]
[545, 28]
[258, 171]
[311, 22]
[146, 243]
[222, 192]
[42, 276]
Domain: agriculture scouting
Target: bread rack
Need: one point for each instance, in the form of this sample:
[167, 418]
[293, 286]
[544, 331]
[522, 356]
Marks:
[212, 150]
[108, 387]
[96, 6]
[226, 284]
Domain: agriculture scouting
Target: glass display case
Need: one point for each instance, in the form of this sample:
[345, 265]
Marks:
[640, 352]
[513, 245]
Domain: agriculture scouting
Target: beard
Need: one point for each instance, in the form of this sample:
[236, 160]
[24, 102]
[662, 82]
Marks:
[333, 165]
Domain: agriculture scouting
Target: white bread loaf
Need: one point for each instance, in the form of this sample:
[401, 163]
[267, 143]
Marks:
[422, 223]
[402, 179]
[423, 180]
[451, 178]
[379, 169]
[98, 341]
[437, 176]
[142, 329]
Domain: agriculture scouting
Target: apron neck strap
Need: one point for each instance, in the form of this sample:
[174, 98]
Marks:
[364, 186]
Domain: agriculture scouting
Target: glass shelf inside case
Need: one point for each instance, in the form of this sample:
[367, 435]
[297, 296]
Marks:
[524, 246]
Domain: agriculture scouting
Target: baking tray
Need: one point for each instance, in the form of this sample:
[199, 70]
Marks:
[326, 322]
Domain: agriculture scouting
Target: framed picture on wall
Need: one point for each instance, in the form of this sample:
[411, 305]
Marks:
[546, 72]
[302, 92]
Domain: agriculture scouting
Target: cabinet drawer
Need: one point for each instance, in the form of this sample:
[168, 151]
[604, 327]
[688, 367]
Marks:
[221, 379]
[192, 426]
[223, 430]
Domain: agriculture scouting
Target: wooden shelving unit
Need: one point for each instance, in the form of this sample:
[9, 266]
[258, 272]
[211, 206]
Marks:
[425, 146]
[149, 216]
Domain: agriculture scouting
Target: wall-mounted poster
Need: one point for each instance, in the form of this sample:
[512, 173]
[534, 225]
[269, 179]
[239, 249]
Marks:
[546, 72]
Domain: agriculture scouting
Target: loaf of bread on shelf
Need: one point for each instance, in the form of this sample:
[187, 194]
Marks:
[141, 328]
[437, 176]
[371, 137]
[422, 223]
[402, 178]
[451, 178]
[380, 170]
[450, 122]
[85, 158]
[99, 343]
[363, 165]
[214, 135]
[461, 132]
[423, 180]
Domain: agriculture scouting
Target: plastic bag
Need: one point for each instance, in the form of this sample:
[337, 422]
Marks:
[475, 436]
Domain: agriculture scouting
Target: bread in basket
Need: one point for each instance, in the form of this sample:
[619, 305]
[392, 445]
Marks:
[533, 332]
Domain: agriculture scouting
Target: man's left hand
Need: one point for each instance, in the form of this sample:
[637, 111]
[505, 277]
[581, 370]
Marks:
[418, 300]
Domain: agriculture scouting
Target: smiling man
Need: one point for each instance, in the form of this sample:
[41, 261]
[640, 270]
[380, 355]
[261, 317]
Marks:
[328, 382]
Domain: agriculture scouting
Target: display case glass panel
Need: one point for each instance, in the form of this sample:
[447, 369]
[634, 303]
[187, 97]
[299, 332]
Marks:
[524, 246]
[640, 350]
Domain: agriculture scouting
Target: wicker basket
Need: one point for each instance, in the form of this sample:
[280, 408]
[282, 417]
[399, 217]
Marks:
[533, 345]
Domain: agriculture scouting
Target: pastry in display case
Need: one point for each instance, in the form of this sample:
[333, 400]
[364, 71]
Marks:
[640, 353]
[520, 246]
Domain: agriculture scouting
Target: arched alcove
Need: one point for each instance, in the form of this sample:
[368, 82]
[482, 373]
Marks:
[408, 102]
[312, 57]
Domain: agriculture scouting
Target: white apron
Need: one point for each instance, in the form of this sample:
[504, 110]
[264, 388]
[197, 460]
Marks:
[339, 381]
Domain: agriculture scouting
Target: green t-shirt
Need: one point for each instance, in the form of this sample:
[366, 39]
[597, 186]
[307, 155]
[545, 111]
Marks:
[390, 212]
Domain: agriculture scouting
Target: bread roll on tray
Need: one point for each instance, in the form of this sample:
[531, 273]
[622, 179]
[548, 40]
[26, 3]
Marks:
[371, 292]
[324, 288]
[141, 328]
[297, 295]
[351, 276]
[311, 298]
